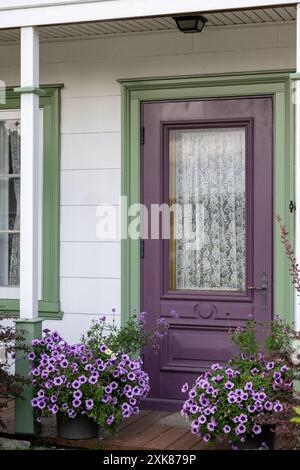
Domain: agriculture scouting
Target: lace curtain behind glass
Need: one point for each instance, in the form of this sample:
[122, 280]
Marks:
[9, 203]
[210, 180]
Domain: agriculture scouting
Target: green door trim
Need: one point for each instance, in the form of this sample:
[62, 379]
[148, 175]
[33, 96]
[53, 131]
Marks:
[139, 90]
[49, 306]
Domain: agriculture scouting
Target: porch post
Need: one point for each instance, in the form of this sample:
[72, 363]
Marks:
[297, 162]
[28, 321]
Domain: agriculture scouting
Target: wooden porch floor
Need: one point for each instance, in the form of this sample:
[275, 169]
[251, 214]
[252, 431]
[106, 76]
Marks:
[150, 430]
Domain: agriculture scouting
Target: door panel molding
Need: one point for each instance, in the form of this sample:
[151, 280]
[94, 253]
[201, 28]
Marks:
[134, 92]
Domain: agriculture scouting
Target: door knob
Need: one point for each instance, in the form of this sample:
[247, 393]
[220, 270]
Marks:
[263, 288]
[257, 288]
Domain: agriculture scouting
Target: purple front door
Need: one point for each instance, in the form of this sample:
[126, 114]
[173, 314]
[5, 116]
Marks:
[210, 267]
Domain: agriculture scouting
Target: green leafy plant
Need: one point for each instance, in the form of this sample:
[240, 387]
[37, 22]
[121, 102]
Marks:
[296, 419]
[11, 385]
[130, 338]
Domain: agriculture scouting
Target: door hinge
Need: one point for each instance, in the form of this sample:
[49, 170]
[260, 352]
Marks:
[142, 248]
[292, 206]
[142, 136]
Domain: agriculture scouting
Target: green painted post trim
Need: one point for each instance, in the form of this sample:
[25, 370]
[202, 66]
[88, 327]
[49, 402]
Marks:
[26, 90]
[24, 416]
[49, 306]
[138, 90]
[295, 76]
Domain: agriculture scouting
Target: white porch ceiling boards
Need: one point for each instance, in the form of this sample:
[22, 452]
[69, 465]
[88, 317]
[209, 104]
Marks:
[18, 13]
[107, 28]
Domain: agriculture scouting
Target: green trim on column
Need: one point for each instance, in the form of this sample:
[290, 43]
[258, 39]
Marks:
[49, 306]
[24, 417]
[295, 76]
[138, 90]
[26, 90]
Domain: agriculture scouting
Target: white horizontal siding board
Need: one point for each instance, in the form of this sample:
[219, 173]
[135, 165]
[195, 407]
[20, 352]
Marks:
[84, 223]
[91, 114]
[147, 44]
[90, 151]
[90, 260]
[237, 39]
[90, 187]
[287, 35]
[266, 59]
[90, 296]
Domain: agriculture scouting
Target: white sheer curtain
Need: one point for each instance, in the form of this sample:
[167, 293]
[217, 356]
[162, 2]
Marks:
[14, 265]
[9, 203]
[210, 185]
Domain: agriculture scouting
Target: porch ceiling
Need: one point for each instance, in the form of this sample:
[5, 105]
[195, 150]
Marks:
[108, 28]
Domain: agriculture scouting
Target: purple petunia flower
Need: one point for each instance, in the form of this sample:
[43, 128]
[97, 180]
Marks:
[76, 403]
[77, 394]
[243, 418]
[89, 404]
[254, 371]
[71, 413]
[226, 429]
[277, 407]
[270, 365]
[76, 384]
[206, 438]
[108, 390]
[202, 419]
[103, 348]
[64, 363]
[229, 385]
[34, 402]
[268, 406]
[215, 367]
[82, 379]
[241, 429]
[93, 380]
[185, 388]
[194, 428]
[31, 356]
[53, 409]
[57, 381]
[256, 429]
[248, 386]
[110, 420]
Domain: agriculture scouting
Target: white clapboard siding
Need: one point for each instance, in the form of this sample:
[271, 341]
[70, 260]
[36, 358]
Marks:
[91, 114]
[88, 223]
[90, 296]
[90, 187]
[91, 151]
[90, 260]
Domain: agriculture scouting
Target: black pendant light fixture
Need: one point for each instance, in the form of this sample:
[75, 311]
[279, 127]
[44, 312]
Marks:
[190, 24]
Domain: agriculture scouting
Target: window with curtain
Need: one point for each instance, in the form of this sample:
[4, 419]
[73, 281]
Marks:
[9, 203]
[207, 182]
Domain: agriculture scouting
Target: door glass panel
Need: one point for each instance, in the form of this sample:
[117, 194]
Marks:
[208, 221]
[9, 203]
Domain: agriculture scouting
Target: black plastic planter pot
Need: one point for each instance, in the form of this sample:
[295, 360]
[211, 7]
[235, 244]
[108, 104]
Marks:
[254, 443]
[80, 427]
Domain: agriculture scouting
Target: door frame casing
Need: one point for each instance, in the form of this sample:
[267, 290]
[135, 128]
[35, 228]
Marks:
[136, 91]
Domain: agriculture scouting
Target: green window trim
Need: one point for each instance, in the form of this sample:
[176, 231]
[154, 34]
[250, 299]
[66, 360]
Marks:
[279, 85]
[49, 306]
